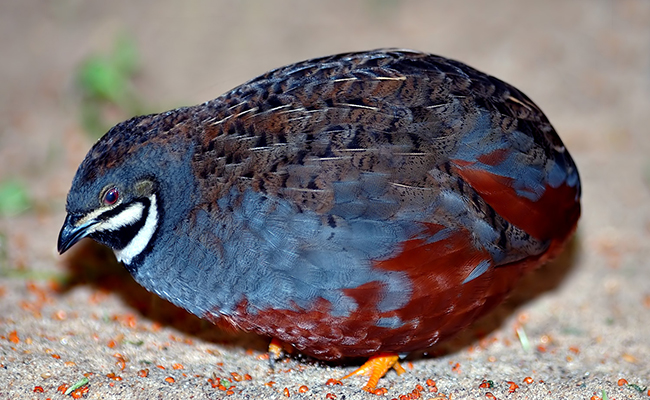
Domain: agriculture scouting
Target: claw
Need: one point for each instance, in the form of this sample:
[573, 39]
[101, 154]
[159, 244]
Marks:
[376, 367]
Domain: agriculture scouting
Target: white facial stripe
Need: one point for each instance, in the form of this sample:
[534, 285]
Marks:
[93, 215]
[143, 237]
[127, 217]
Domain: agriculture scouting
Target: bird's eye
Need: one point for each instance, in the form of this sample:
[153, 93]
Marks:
[111, 196]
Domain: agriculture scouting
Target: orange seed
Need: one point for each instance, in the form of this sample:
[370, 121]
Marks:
[513, 386]
[236, 377]
[13, 337]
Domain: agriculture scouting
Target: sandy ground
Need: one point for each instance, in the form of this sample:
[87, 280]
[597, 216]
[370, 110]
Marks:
[586, 63]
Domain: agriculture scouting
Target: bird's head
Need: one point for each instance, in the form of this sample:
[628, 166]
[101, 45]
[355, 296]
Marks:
[116, 195]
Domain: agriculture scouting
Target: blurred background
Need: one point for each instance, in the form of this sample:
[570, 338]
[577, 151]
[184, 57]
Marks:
[70, 69]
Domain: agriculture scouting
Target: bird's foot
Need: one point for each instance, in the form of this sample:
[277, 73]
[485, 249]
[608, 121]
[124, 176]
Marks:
[278, 350]
[375, 368]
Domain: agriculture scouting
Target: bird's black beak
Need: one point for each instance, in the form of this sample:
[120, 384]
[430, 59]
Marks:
[71, 233]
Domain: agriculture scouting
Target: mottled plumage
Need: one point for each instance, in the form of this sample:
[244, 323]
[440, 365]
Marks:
[354, 204]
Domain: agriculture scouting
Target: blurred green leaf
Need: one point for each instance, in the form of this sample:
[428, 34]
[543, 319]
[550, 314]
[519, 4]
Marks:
[100, 79]
[106, 84]
[14, 198]
[126, 55]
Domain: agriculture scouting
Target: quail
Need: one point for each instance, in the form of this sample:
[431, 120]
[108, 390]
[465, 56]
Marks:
[365, 204]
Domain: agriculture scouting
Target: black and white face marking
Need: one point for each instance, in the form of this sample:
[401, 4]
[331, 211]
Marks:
[126, 228]
[130, 217]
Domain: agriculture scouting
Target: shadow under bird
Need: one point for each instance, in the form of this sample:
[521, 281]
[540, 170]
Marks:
[365, 204]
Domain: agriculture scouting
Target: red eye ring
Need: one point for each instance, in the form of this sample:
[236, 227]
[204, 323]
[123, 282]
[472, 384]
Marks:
[111, 196]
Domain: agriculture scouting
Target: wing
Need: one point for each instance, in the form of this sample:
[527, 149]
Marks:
[387, 133]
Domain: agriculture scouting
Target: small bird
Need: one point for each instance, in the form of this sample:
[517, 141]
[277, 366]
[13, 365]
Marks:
[366, 204]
